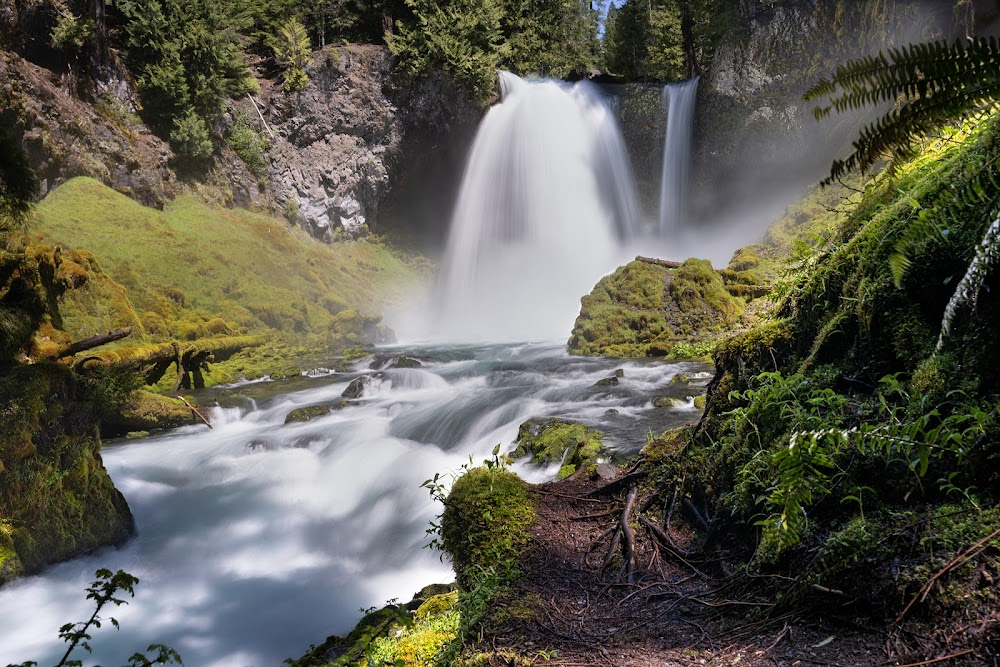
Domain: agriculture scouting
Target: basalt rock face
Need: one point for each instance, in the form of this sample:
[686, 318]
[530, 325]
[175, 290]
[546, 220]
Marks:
[341, 144]
[66, 137]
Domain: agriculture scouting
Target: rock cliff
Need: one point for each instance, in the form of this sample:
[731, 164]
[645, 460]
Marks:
[340, 146]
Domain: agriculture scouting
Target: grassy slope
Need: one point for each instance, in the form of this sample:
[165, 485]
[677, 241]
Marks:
[252, 270]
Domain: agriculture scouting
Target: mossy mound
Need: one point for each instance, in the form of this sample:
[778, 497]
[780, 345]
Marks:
[56, 499]
[556, 441]
[485, 521]
[655, 309]
[146, 411]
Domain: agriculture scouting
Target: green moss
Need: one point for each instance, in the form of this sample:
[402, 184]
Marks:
[210, 271]
[146, 411]
[645, 309]
[557, 441]
[435, 624]
[307, 413]
[56, 498]
[485, 522]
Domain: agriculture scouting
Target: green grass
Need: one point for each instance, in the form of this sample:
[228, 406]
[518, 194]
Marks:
[196, 270]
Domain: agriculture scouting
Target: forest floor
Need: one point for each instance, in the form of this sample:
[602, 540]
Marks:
[675, 611]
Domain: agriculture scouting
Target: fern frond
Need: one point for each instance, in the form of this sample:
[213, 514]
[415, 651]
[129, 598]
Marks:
[967, 291]
[932, 84]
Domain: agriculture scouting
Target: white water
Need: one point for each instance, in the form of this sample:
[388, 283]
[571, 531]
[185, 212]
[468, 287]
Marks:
[546, 198]
[257, 539]
[679, 98]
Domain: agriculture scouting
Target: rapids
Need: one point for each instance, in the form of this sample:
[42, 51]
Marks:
[258, 538]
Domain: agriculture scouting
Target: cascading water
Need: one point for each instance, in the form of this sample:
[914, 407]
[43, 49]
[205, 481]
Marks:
[260, 537]
[679, 98]
[546, 199]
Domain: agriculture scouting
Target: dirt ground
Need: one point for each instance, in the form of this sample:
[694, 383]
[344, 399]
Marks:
[576, 612]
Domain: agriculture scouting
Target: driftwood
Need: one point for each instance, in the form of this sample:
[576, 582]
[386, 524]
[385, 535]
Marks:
[659, 262]
[195, 411]
[92, 342]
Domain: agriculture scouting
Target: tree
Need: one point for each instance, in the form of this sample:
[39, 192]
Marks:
[463, 37]
[291, 49]
[188, 57]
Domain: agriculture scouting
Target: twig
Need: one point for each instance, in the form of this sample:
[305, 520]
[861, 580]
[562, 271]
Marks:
[195, 410]
[261, 115]
[953, 563]
[941, 659]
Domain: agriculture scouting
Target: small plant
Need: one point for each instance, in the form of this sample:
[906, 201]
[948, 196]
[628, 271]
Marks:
[104, 591]
[249, 144]
[291, 210]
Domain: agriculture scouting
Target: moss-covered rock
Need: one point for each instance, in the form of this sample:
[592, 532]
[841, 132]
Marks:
[429, 605]
[653, 309]
[146, 411]
[56, 499]
[485, 521]
[553, 440]
[307, 413]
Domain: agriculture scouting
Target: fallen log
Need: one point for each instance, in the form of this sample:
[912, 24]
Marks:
[92, 342]
[658, 262]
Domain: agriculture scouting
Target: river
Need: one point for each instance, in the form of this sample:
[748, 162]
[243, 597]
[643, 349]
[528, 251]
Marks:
[258, 538]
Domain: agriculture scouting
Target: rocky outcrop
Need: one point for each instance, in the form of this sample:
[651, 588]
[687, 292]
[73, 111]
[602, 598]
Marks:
[56, 498]
[655, 308]
[340, 145]
[66, 137]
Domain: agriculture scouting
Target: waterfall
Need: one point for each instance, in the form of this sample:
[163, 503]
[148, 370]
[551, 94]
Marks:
[679, 98]
[546, 199]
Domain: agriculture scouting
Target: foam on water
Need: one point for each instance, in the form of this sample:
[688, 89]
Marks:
[259, 538]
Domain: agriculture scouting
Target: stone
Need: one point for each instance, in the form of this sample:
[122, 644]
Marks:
[307, 413]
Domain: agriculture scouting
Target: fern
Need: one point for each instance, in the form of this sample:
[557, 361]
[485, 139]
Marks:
[968, 288]
[937, 82]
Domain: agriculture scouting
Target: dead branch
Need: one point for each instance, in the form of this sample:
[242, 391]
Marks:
[658, 262]
[619, 484]
[961, 558]
[941, 659]
[195, 410]
[92, 342]
[627, 534]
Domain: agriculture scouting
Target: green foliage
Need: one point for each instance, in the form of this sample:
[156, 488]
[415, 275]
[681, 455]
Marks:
[463, 37]
[108, 589]
[18, 183]
[190, 136]
[472, 40]
[937, 81]
[187, 57]
[291, 49]
[248, 143]
[71, 32]
[665, 40]
[793, 437]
